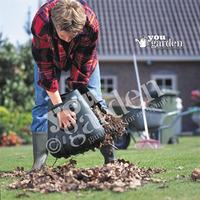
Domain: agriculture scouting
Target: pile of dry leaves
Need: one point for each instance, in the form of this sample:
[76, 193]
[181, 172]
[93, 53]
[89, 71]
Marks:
[117, 176]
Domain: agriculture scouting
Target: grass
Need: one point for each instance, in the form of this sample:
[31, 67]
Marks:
[178, 159]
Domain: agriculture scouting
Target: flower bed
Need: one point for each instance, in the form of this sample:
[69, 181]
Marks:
[14, 127]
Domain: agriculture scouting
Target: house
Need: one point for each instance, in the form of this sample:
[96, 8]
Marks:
[164, 35]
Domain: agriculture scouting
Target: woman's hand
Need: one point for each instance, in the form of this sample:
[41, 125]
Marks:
[66, 119]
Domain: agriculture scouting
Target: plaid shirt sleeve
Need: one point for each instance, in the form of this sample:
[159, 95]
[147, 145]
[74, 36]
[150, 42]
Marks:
[42, 54]
[85, 59]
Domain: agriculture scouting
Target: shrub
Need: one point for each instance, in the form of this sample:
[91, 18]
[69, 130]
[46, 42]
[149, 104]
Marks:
[15, 122]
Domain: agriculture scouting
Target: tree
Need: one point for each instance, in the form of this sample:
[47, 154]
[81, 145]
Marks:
[27, 25]
[16, 76]
[8, 62]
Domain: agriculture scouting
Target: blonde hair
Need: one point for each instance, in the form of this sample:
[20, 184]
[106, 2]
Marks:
[69, 16]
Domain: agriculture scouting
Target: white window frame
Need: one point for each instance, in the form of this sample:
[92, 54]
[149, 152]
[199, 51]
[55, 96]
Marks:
[115, 86]
[173, 77]
[63, 77]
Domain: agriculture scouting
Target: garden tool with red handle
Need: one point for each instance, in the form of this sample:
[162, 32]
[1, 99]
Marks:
[147, 142]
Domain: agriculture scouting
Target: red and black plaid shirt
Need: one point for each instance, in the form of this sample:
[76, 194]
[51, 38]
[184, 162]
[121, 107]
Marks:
[51, 53]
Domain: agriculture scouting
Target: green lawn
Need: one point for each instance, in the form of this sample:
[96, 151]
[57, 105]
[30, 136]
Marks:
[178, 159]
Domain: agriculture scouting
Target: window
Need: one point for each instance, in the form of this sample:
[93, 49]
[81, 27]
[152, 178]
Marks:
[165, 81]
[108, 84]
[63, 82]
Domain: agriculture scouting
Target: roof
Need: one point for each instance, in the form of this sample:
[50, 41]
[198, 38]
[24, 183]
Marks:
[123, 21]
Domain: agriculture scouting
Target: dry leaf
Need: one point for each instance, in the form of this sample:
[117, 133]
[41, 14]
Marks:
[196, 175]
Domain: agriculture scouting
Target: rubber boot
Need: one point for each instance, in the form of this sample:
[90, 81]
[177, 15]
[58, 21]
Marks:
[40, 152]
[108, 153]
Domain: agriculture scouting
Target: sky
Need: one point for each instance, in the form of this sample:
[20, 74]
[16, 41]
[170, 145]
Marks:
[13, 15]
